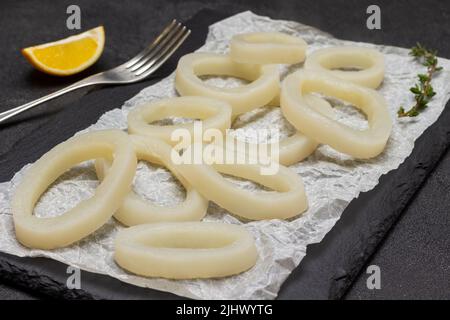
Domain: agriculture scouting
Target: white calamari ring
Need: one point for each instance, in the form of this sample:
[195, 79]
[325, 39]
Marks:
[267, 48]
[134, 210]
[369, 61]
[296, 147]
[366, 143]
[88, 215]
[185, 250]
[288, 201]
[263, 88]
[213, 113]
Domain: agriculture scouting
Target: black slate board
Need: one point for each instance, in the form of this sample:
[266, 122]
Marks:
[328, 268]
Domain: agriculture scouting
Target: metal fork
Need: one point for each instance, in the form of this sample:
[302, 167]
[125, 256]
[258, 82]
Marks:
[136, 69]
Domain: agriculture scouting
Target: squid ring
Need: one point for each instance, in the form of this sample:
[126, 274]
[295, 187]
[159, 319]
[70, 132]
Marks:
[267, 48]
[215, 114]
[370, 61]
[89, 215]
[263, 88]
[289, 200]
[296, 147]
[135, 210]
[185, 250]
[357, 143]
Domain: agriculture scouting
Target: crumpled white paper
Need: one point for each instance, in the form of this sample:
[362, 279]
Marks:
[331, 179]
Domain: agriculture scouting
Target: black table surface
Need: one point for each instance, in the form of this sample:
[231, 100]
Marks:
[414, 258]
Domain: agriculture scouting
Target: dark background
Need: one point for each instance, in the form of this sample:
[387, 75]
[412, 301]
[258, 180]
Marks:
[414, 257]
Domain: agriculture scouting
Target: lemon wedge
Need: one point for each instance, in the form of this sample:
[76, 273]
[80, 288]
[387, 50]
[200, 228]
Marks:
[67, 56]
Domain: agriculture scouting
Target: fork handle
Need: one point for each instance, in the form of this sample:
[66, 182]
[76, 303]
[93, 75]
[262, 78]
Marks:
[17, 110]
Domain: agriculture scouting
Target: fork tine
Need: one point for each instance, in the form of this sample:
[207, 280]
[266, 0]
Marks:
[149, 48]
[151, 66]
[156, 49]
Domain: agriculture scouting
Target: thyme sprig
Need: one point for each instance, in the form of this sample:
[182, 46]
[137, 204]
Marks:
[423, 91]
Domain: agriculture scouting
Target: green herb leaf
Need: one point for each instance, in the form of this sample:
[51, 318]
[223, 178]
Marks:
[423, 91]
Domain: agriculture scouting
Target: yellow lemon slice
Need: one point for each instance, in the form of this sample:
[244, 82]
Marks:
[67, 56]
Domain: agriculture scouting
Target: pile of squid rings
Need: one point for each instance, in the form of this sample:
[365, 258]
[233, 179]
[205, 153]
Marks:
[171, 242]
